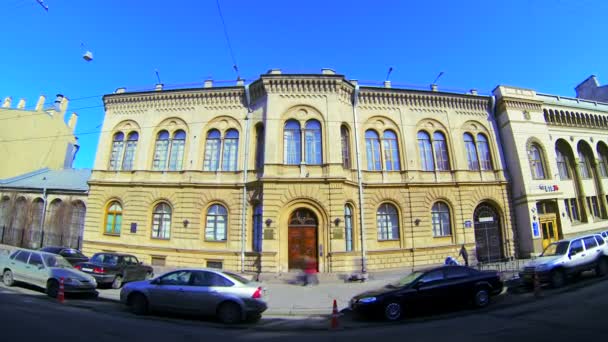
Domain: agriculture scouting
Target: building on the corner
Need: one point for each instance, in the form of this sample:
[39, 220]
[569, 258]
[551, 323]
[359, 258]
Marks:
[35, 139]
[556, 150]
[353, 176]
[44, 208]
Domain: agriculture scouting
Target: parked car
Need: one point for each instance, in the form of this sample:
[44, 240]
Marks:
[433, 287]
[604, 234]
[45, 270]
[114, 269]
[73, 256]
[210, 292]
[566, 258]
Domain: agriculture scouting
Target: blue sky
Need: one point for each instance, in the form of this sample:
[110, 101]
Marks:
[549, 46]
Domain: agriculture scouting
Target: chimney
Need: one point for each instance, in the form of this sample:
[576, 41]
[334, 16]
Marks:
[354, 82]
[433, 87]
[473, 91]
[72, 121]
[120, 90]
[240, 82]
[208, 83]
[274, 71]
[158, 87]
[7, 102]
[327, 71]
[387, 84]
[21, 104]
[40, 103]
[61, 103]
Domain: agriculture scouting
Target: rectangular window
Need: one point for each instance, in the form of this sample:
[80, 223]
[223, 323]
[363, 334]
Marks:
[572, 209]
[603, 171]
[388, 228]
[160, 155]
[373, 155]
[177, 155]
[230, 155]
[563, 169]
[593, 205]
[127, 163]
[292, 147]
[116, 155]
[212, 153]
[441, 224]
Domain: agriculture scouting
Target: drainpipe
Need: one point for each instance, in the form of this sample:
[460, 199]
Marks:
[360, 179]
[245, 169]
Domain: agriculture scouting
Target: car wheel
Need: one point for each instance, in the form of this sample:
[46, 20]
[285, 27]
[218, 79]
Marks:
[392, 311]
[52, 288]
[149, 275]
[7, 278]
[138, 304]
[481, 298]
[229, 313]
[558, 278]
[602, 267]
[117, 283]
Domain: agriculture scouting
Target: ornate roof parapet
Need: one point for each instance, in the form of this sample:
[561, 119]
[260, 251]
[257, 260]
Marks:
[391, 97]
[302, 84]
[211, 98]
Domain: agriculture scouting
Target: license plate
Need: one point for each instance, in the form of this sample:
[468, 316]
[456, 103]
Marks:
[87, 269]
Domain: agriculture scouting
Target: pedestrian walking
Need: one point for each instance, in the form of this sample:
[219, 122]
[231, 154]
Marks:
[451, 261]
[310, 271]
[465, 255]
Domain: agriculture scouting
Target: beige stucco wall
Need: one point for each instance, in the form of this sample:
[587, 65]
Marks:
[323, 189]
[34, 139]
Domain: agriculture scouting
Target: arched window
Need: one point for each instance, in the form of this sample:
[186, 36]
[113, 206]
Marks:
[160, 150]
[113, 218]
[291, 143]
[372, 146]
[258, 229]
[562, 164]
[441, 220]
[176, 157]
[583, 165]
[217, 219]
[345, 139]
[212, 151]
[312, 138]
[602, 152]
[391, 151]
[117, 146]
[388, 222]
[161, 221]
[484, 152]
[348, 227]
[231, 146]
[127, 162]
[471, 149]
[441, 151]
[77, 223]
[426, 151]
[536, 162]
[259, 148]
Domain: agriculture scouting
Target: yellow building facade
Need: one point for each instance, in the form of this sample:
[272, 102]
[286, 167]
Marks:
[354, 177]
[35, 139]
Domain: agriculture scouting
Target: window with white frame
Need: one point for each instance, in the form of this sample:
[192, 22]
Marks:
[348, 227]
[312, 140]
[485, 159]
[426, 151]
[127, 161]
[231, 147]
[471, 151]
[161, 221]
[583, 165]
[169, 151]
[372, 147]
[391, 151]
[572, 209]
[433, 151]
[536, 162]
[217, 219]
[291, 143]
[388, 222]
[258, 228]
[117, 147]
[602, 152]
[345, 140]
[441, 220]
[562, 164]
[212, 151]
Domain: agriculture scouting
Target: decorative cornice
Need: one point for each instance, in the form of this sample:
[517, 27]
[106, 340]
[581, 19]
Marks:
[507, 103]
[373, 97]
[182, 100]
[302, 84]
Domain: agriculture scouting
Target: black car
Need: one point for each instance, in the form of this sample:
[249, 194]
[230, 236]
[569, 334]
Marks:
[114, 269]
[73, 256]
[430, 288]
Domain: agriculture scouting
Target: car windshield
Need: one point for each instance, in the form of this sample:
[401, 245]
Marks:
[408, 279]
[54, 250]
[237, 277]
[557, 248]
[55, 261]
[105, 259]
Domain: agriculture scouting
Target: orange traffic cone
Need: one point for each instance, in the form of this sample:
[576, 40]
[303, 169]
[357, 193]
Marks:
[334, 316]
[61, 294]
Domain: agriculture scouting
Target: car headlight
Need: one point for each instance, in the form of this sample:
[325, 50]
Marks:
[367, 300]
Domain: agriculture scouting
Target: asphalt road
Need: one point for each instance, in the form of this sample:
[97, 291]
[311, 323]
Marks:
[576, 314]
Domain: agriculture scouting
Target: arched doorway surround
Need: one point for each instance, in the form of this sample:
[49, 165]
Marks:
[488, 233]
[302, 242]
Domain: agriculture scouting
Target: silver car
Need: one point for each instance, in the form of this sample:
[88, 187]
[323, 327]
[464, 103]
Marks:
[45, 270]
[208, 292]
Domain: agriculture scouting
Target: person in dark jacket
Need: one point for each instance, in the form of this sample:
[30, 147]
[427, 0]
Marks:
[464, 254]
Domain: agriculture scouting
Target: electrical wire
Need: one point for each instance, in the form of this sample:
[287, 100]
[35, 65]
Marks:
[234, 65]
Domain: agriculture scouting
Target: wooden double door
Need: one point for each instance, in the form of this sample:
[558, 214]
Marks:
[302, 238]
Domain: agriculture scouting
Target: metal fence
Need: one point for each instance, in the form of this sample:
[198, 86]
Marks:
[28, 238]
[508, 267]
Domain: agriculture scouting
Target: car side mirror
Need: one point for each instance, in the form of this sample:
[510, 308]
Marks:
[572, 252]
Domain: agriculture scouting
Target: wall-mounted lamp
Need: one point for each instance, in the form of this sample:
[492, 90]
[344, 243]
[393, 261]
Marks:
[186, 222]
[268, 222]
[337, 221]
[417, 222]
